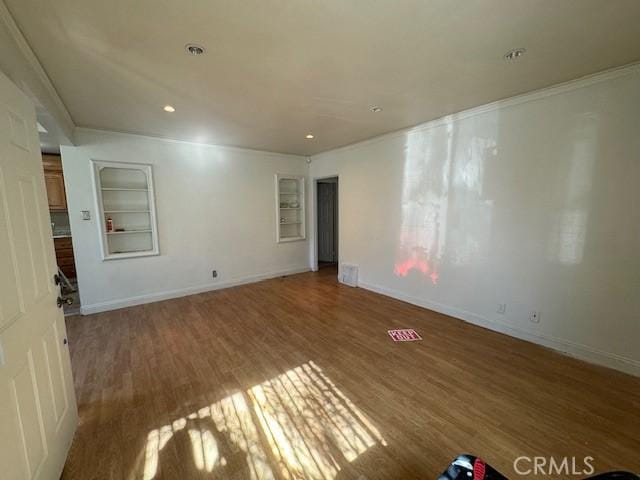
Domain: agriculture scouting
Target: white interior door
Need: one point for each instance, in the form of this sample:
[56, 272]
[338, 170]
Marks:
[38, 412]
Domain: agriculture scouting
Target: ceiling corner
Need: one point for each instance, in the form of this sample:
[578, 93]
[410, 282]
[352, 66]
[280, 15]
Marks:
[24, 68]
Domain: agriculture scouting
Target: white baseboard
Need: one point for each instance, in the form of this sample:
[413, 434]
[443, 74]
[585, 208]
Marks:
[183, 292]
[576, 350]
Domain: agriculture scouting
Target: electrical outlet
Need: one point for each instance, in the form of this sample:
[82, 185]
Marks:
[502, 308]
[534, 317]
[214, 274]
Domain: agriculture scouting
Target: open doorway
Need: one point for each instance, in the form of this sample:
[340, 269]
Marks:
[50, 141]
[61, 231]
[327, 223]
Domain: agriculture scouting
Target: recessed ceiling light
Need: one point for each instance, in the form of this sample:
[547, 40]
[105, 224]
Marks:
[514, 54]
[194, 49]
[169, 108]
[309, 136]
[376, 109]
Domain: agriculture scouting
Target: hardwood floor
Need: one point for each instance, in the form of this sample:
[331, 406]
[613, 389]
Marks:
[297, 378]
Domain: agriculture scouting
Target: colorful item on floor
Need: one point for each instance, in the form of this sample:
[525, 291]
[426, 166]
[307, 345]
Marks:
[404, 335]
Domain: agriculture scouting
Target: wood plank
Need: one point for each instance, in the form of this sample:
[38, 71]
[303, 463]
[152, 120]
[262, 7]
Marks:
[301, 370]
[63, 242]
[51, 163]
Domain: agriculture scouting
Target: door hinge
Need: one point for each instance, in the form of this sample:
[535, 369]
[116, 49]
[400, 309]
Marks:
[64, 301]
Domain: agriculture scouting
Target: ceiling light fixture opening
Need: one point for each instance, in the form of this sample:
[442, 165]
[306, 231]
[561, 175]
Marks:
[309, 136]
[376, 109]
[514, 54]
[169, 108]
[194, 49]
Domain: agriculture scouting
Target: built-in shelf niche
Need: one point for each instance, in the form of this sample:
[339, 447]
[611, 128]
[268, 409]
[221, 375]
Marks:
[124, 194]
[290, 208]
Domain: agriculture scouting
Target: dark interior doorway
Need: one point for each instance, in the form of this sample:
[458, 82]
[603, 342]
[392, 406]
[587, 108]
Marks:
[327, 218]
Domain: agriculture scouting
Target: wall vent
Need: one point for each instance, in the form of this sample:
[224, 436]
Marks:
[349, 274]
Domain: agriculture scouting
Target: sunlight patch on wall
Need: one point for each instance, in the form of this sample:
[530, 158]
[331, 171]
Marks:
[425, 193]
[445, 216]
[296, 425]
[569, 233]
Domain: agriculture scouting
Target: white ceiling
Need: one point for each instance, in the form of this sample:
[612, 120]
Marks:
[276, 70]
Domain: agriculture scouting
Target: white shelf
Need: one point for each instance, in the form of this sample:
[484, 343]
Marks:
[128, 254]
[125, 188]
[129, 231]
[127, 211]
[290, 239]
[290, 219]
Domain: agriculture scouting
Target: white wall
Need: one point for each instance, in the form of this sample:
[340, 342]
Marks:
[532, 202]
[215, 209]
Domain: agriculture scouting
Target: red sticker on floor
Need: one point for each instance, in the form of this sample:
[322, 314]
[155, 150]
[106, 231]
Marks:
[404, 335]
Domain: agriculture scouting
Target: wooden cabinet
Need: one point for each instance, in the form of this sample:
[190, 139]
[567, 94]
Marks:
[64, 256]
[54, 182]
[55, 191]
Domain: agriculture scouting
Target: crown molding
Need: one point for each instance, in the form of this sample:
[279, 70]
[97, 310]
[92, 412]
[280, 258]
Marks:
[61, 114]
[232, 148]
[578, 83]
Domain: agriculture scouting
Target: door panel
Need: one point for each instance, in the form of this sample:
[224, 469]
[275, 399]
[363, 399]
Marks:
[10, 300]
[38, 412]
[18, 129]
[25, 404]
[55, 374]
[35, 251]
